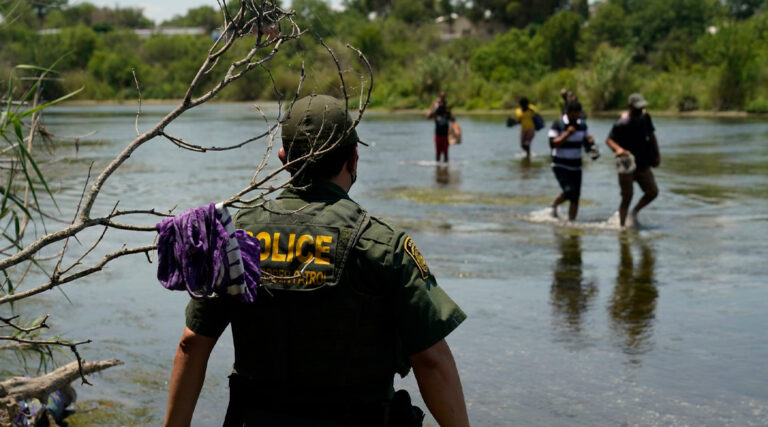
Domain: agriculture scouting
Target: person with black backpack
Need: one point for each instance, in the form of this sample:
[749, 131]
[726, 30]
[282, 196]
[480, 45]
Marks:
[530, 121]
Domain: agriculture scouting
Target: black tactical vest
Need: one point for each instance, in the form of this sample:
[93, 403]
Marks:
[313, 332]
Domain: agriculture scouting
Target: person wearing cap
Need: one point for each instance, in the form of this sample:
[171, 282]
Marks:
[567, 137]
[634, 134]
[440, 112]
[345, 302]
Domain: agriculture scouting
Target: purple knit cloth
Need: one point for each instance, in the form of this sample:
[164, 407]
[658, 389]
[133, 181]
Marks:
[200, 251]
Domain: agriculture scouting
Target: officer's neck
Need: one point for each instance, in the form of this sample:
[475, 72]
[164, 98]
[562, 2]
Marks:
[343, 180]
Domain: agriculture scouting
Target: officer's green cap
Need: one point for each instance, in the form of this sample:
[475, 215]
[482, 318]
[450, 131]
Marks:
[320, 121]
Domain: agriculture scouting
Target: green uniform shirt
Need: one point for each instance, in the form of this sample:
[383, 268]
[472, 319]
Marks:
[387, 296]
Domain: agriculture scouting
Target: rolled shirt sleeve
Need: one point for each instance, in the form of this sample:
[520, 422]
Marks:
[208, 317]
[426, 314]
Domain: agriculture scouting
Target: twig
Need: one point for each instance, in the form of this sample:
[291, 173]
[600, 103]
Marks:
[39, 325]
[82, 273]
[138, 89]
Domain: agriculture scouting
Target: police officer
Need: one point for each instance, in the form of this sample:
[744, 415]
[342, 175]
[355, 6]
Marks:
[346, 302]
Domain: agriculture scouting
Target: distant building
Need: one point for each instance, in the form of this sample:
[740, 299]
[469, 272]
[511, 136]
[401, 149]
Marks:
[145, 33]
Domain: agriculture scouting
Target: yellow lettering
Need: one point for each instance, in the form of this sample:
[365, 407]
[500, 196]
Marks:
[291, 242]
[276, 255]
[266, 243]
[322, 252]
[300, 255]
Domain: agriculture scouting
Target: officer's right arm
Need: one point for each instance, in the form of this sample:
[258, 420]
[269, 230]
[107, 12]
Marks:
[187, 377]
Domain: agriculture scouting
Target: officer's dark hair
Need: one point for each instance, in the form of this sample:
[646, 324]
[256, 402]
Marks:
[573, 107]
[323, 168]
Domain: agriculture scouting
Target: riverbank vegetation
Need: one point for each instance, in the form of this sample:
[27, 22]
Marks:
[684, 55]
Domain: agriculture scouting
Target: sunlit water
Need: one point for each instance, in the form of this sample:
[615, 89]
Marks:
[569, 323]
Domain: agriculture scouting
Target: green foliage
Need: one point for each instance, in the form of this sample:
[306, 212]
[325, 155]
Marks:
[683, 54]
[370, 41]
[113, 68]
[609, 24]
[759, 105]
[410, 11]
[90, 15]
[315, 15]
[653, 20]
[607, 81]
[517, 13]
[731, 51]
[741, 9]
[15, 206]
[511, 56]
[547, 89]
[203, 16]
[559, 36]
[434, 71]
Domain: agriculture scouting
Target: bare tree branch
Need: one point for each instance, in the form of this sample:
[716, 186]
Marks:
[82, 273]
[20, 388]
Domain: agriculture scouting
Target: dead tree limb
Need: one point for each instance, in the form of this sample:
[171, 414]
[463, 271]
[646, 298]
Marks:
[15, 389]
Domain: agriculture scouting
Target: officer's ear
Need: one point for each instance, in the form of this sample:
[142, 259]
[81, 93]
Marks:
[281, 155]
[352, 162]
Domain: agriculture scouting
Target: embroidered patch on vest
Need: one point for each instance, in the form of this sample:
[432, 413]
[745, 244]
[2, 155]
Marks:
[418, 258]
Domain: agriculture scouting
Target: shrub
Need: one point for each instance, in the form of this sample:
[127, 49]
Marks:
[547, 89]
[759, 105]
[512, 56]
[608, 79]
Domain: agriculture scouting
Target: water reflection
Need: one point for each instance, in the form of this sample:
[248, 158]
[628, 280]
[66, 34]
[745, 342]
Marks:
[571, 295]
[445, 175]
[633, 304]
[529, 168]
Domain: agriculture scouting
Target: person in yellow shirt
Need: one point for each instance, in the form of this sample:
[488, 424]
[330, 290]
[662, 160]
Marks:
[524, 116]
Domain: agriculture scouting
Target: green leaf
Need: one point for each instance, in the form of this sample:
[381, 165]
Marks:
[54, 102]
[7, 191]
[16, 201]
[35, 67]
[9, 281]
[25, 153]
[12, 241]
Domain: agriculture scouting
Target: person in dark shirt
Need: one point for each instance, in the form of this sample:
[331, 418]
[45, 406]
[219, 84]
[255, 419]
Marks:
[440, 112]
[634, 133]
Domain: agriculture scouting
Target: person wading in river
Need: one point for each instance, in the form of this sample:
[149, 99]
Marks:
[348, 302]
[634, 134]
[567, 137]
[524, 116]
[440, 112]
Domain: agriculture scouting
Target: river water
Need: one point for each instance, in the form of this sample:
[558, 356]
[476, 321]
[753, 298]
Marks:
[569, 323]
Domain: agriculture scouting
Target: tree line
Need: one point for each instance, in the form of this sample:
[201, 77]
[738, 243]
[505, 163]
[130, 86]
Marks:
[682, 54]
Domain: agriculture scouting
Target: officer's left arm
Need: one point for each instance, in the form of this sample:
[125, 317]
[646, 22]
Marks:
[187, 377]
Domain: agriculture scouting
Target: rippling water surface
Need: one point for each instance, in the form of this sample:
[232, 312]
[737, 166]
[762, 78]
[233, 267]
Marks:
[569, 324]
